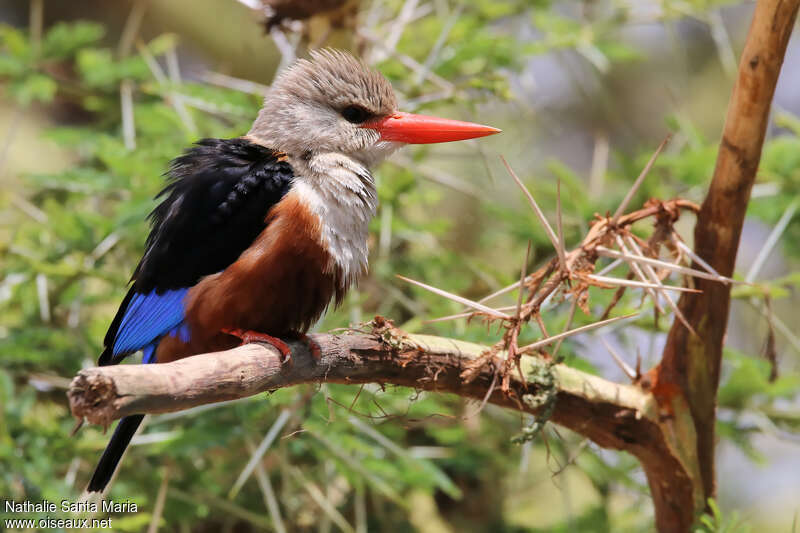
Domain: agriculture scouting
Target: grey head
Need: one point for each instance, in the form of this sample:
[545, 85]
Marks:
[319, 105]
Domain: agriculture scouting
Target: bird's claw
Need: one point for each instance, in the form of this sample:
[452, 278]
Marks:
[248, 336]
[313, 346]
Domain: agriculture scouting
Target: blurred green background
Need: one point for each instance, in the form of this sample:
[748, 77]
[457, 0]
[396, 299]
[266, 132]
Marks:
[96, 97]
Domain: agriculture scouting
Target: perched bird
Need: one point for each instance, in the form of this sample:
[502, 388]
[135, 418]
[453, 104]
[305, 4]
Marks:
[254, 236]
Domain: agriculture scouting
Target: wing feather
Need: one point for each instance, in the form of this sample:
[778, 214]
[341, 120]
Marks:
[212, 209]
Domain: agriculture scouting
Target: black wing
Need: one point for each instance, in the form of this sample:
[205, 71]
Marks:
[213, 208]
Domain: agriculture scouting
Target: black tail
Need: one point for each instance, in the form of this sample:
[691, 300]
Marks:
[113, 453]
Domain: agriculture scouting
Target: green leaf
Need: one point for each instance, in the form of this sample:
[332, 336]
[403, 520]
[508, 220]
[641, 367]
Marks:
[34, 88]
[15, 42]
[63, 39]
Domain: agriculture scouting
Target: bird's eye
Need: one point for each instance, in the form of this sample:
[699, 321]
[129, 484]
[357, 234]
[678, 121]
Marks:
[355, 114]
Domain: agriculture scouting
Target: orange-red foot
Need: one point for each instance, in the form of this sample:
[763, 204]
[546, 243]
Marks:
[316, 351]
[249, 336]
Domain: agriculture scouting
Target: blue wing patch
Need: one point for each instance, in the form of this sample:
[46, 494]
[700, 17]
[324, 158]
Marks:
[148, 317]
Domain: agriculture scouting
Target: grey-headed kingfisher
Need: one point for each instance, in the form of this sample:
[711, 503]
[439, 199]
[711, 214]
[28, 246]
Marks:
[255, 236]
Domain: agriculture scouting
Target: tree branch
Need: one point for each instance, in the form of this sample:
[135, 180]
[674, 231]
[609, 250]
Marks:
[615, 416]
[689, 371]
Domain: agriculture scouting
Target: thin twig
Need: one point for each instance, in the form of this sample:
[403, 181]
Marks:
[456, 298]
[560, 226]
[568, 324]
[727, 57]
[35, 23]
[174, 70]
[439, 176]
[638, 271]
[427, 65]
[320, 499]
[771, 241]
[236, 84]
[664, 264]
[284, 47]
[264, 483]
[609, 267]
[259, 453]
[635, 187]
[522, 276]
[696, 258]
[399, 26]
[548, 229]
[599, 163]
[161, 498]
[43, 298]
[661, 287]
[131, 28]
[625, 367]
[639, 284]
[544, 342]
[126, 105]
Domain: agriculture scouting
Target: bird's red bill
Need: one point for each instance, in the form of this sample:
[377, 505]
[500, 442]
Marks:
[424, 129]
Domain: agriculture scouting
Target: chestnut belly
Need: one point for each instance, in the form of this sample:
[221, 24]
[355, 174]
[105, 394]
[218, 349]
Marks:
[280, 286]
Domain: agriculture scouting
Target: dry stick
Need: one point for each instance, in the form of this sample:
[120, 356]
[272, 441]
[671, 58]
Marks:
[161, 498]
[129, 32]
[174, 70]
[688, 251]
[427, 65]
[320, 499]
[722, 40]
[549, 230]
[560, 225]
[609, 267]
[43, 297]
[131, 28]
[502, 291]
[270, 501]
[407, 61]
[259, 453]
[36, 17]
[468, 314]
[175, 100]
[456, 298]
[522, 277]
[638, 271]
[628, 197]
[438, 176]
[399, 26]
[382, 486]
[126, 105]
[664, 264]
[284, 46]
[631, 373]
[236, 84]
[771, 241]
[781, 326]
[229, 508]
[511, 336]
[544, 342]
[599, 163]
[638, 284]
[13, 129]
[657, 281]
[568, 324]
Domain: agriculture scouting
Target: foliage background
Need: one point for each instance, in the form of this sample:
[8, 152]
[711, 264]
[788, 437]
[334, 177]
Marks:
[584, 91]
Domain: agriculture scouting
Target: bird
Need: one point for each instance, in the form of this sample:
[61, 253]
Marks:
[254, 237]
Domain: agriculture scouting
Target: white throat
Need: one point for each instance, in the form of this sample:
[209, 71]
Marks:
[341, 192]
